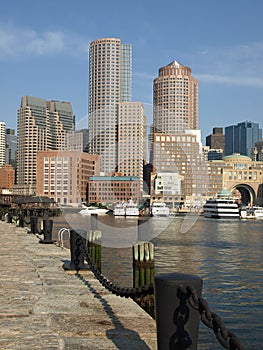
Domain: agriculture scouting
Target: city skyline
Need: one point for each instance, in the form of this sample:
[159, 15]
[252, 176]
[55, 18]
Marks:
[221, 42]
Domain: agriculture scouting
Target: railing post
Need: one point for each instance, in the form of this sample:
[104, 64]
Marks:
[77, 251]
[47, 231]
[177, 322]
[143, 272]
[94, 241]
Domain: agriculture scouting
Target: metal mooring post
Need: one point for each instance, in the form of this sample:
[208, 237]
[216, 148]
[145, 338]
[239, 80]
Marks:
[47, 230]
[77, 251]
[177, 322]
[33, 224]
[21, 221]
[9, 218]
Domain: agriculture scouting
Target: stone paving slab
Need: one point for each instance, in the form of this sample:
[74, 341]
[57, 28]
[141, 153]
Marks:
[44, 307]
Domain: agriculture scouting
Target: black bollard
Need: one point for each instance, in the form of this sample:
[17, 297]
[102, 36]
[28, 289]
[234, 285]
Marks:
[47, 231]
[77, 251]
[9, 218]
[33, 224]
[21, 221]
[177, 322]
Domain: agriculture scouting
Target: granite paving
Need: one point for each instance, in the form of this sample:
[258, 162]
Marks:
[44, 307]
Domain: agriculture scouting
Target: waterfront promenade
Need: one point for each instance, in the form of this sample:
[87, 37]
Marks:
[44, 307]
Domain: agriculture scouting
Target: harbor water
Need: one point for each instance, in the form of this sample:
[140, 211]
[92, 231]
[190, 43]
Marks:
[227, 255]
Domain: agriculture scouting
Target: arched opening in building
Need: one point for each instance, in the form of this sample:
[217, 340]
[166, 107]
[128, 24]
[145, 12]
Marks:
[244, 194]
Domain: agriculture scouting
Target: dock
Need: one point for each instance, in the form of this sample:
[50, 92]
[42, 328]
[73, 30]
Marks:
[44, 307]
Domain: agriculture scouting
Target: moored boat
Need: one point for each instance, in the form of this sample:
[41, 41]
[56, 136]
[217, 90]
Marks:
[93, 210]
[119, 209]
[131, 208]
[251, 213]
[159, 209]
[126, 209]
[222, 206]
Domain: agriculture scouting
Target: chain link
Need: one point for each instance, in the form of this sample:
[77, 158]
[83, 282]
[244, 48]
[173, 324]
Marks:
[126, 292]
[226, 338]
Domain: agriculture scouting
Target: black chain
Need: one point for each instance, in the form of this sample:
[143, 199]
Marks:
[226, 338]
[126, 292]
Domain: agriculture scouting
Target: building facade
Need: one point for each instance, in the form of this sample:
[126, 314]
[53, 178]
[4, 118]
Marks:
[216, 140]
[7, 177]
[182, 153]
[76, 140]
[241, 138]
[110, 77]
[175, 99]
[11, 147]
[2, 143]
[63, 175]
[41, 125]
[113, 189]
[131, 140]
[238, 174]
[175, 139]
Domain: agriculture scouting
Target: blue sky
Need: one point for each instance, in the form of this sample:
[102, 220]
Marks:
[44, 52]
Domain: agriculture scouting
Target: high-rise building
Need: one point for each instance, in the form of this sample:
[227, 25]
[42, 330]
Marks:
[41, 126]
[110, 76]
[77, 140]
[2, 142]
[241, 138]
[175, 99]
[131, 140]
[182, 154]
[11, 147]
[176, 141]
[216, 140]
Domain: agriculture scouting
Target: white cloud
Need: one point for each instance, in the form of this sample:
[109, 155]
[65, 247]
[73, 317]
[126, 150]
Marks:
[231, 80]
[17, 42]
[239, 65]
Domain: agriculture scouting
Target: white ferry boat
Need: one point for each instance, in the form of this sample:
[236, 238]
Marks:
[126, 209]
[222, 206]
[159, 209]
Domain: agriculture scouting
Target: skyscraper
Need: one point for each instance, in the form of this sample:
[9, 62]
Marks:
[110, 76]
[241, 138]
[175, 99]
[2, 143]
[131, 139]
[176, 140]
[41, 125]
[11, 147]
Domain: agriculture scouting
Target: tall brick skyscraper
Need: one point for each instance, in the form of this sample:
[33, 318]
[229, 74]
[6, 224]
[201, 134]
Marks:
[175, 99]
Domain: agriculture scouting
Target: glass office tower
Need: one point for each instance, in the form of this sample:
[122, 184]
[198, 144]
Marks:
[241, 138]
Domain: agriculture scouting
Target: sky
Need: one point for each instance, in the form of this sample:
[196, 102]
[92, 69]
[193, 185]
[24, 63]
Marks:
[44, 48]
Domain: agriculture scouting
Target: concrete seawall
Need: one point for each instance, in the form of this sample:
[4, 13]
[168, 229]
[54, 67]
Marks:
[44, 307]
